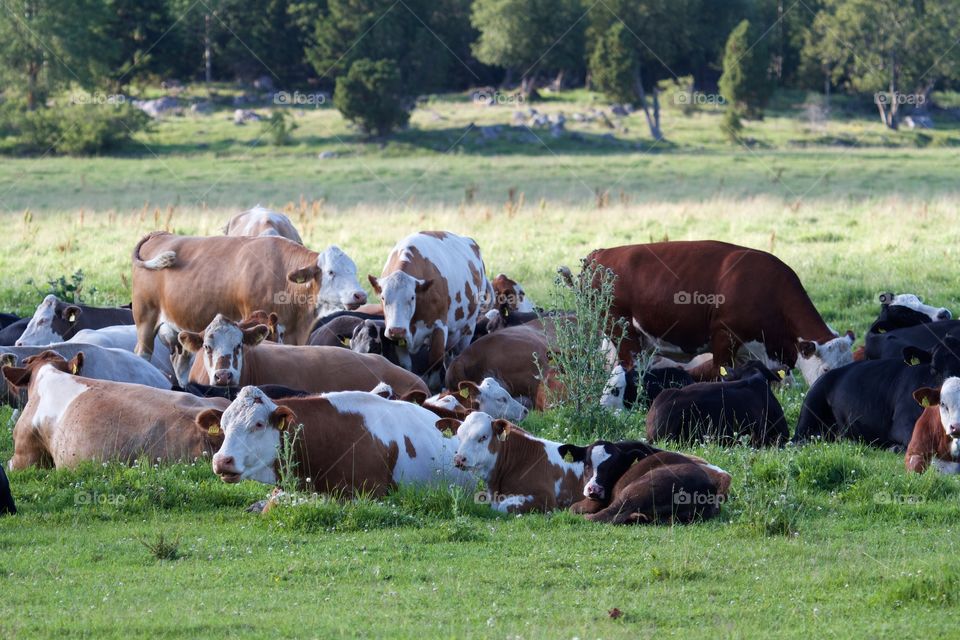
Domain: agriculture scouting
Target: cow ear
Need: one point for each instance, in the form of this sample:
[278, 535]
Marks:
[424, 286]
[301, 276]
[886, 298]
[273, 324]
[927, 397]
[501, 428]
[17, 377]
[415, 397]
[208, 421]
[70, 313]
[191, 341]
[880, 326]
[448, 424]
[851, 336]
[469, 390]
[573, 453]
[255, 335]
[807, 348]
[914, 356]
[283, 417]
[374, 283]
[75, 366]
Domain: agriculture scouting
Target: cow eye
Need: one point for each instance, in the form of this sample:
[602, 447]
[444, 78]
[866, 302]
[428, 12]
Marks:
[482, 439]
[330, 273]
[208, 348]
[615, 393]
[259, 425]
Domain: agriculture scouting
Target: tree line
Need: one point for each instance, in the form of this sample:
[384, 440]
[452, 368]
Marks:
[379, 55]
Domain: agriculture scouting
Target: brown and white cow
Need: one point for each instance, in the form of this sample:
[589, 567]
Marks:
[69, 419]
[349, 443]
[433, 288]
[261, 221]
[688, 297]
[936, 436]
[57, 321]
[231, 356]
[510, 296]
[186, 281]
[522, 473]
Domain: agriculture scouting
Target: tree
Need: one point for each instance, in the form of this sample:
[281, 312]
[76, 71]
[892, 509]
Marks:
[745, 83]
[530, 36]
[895, 50]
[139, 31]
[612, 64]
[371, 95]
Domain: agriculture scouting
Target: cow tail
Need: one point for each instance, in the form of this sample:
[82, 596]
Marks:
[164, 260]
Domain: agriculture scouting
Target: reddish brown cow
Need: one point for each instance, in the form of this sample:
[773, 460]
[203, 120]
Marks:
[936, 436]
[688, 297]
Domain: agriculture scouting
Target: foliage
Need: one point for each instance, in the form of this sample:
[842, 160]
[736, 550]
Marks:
[68, 290]
[612, 65]
[371, 95]
[76, 129]
[745, 83]
[279, 128]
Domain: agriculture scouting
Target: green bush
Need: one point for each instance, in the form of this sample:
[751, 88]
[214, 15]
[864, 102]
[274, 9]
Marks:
[371, 95]
[75, 129]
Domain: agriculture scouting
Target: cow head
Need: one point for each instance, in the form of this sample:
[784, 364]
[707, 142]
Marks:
[481, 439]
[251, 428]
[752, 369]
[510, 296]
[816, 359]
[367, 337]
[603, 464]
[335, 275]
[398, 292]
[275, 330]
[943, 360]
[18, 378]
[908, 309]
[491, 398]
[947, 399]
[181, 360]
[50, 323]
[222, 345]
[620, 392]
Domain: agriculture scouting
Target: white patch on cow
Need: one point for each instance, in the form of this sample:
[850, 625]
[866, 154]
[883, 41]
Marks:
[249, 438]
[393, 422]
[497, 402]
[911, 301]
[55, 392]
[524, 303]
[124, 337]
[950, 411]
[829, 355]
[943, 466]
[223, 344]
[598, 455]
[504, 504]
[612, 397]
[260, 221]
[39, 331]
[383, 390]
[398, 292]
[339, 287]
[448, 402]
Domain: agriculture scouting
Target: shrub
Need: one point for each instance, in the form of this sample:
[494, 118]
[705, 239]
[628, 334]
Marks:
[78, 129]
[371, 95]
[279, 128]
[745, 83]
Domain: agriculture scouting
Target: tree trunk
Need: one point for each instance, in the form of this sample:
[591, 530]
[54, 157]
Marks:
[507, 78]
[653, 120]
[207, 54]
[32, 72]
[558, 81]
[894, 105]
[528, 88]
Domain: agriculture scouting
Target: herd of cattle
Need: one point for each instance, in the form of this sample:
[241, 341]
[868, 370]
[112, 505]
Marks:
[232, 340]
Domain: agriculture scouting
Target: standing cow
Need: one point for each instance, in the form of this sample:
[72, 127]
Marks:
[688, 297]
[433, 288]
[186, 281]
[261, 221]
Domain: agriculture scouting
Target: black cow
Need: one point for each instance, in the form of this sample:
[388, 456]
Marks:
[905, 310]
[58, 321]
[890, 344]
[12, 332]
[721, 410]
[272, 391]
[6, 498]
[872, 401]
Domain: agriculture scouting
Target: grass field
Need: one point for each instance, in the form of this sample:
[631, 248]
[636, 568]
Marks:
[830, 540]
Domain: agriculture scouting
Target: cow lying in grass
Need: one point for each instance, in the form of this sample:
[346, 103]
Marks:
[7, 506]
[633, 482]
[69, 419]
[936, 437]
[350, 442]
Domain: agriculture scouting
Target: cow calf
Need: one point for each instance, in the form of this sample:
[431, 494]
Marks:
[936, 436]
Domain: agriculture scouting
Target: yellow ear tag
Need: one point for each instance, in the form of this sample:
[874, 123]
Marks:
[73, 369]
[723, 371]
[506, 312]
[283, 424]
[881, 330]
[914, 361]
[345, 341]
[214, 429]
[924, 403]
[782, 374]
[72, 318]
[447, 432]
[568, 457]
[464, 393]
[402, 343]
[503, 436]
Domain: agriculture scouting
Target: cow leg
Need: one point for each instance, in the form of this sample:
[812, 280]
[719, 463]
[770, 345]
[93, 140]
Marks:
[585, 506]
[438, 346]
[147, 320]
[28, 451]
[723, 346]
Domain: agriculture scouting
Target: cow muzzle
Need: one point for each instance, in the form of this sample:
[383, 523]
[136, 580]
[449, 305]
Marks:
[397, 333]
[459, 461]
[954, 431]
[594, 491]
[225, 467]
[944, 314]
[223, 378]
[355, 300]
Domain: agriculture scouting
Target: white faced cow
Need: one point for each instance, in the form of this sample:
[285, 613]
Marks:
[433, 288]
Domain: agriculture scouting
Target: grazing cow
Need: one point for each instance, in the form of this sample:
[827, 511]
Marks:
[433, 289]
[721, 410]
[905, 310]
[510, 296]
[58, 321]
[350, 442]
[622, 389]
[69, 419]
[12, 332]
[890, 344]
[687, 297]
[260, 221]
[522, 473]
[100, 363]
[936, 437]
[232, 356]
[186, 281]
[509, 355]
[124, 337]
[871, 401]
[7, 506]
